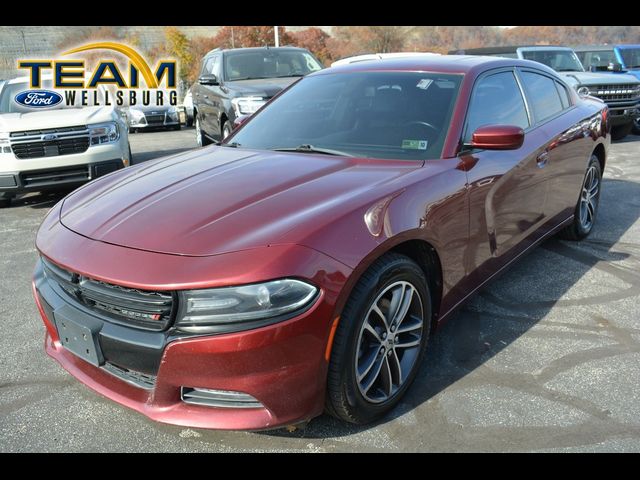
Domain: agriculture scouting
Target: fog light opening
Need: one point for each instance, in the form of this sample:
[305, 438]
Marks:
[218, 398]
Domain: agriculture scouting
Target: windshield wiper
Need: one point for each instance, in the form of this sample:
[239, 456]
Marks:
[231, 145]
[292, 75]
[308, 148]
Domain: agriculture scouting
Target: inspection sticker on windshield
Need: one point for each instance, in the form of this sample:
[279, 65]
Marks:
[424, 83]
[414, 144]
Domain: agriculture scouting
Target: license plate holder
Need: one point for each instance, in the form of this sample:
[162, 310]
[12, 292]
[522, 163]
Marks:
[79, 337]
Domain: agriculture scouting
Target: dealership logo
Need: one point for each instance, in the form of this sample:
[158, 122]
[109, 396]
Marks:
[38, 98]
[139, 84]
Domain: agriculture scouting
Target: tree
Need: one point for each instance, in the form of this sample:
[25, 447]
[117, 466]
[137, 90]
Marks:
[315, 40]
[352, 40]
[249, 36]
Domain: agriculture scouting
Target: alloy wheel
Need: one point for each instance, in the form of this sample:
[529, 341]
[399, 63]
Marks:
[589, 198]
[389, 342]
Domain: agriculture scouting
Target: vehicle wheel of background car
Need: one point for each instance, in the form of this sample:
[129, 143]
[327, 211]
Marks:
[5, 200]
[636, 126]
[188, 121]
[621, 131]
[226, 129]
[177, 127]
[201, 139]
[587, 207]
[380, 340]
[132, 130]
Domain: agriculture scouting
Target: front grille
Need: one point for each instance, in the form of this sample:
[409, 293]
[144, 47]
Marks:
[154, 119]
[59, 175]
[616, 92]
[50, 142]
[128, 306]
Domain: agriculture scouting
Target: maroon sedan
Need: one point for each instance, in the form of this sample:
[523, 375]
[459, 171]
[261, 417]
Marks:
[302, 265]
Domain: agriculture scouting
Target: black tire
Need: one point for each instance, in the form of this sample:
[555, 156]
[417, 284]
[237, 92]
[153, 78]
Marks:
[226, 129]
[621, 131]
[176, 127]
[201, 139]
[636, 126]
[130, 156]
[5, 200]
[132, 130]
[577, 230]
[344, 398]
[189, 121]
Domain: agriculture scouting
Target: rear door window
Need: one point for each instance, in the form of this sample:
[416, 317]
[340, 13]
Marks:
[543, 95]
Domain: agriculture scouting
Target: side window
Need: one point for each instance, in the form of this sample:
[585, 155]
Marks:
[543, 95]
[206, 66]
[215, 66]
[564, 96]
[496, 100]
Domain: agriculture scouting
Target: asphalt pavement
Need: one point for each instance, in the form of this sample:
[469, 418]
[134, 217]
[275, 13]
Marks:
[546, 358]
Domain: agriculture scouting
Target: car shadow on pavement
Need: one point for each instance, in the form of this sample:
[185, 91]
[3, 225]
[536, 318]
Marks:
[512, 304]
[40, 199]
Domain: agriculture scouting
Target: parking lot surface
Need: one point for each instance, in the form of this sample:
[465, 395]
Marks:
[546, 358]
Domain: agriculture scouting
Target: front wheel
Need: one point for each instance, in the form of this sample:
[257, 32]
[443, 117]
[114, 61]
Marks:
[5, 200]
[201, 139]
[585, 213]
[380, 340]
[636, 126]
[226, 129]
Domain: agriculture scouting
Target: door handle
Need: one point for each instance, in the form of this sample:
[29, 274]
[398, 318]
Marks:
[542, 159]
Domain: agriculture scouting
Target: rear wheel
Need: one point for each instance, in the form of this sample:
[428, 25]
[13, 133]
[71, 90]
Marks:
[585, 213]
[621, 131]
[380, 340]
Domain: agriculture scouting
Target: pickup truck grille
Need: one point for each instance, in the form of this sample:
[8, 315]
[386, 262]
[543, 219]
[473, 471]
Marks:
[616, 92]
[147, 310]
[50, 142]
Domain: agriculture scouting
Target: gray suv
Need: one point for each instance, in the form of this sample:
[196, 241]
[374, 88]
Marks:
[621, 92]
[237, 82]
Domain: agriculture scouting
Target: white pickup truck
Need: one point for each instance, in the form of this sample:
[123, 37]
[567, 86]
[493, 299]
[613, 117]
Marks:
[57, 147]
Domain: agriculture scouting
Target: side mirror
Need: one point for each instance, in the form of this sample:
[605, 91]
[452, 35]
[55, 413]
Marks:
[497, 137]
[614, 67]
[208, 79]
[240, 120]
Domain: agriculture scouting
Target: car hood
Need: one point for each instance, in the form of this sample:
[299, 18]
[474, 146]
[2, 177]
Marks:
[219, 199]
[262, 87]
[590, 78]
[62, 117]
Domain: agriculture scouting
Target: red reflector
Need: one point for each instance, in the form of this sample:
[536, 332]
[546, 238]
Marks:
[156, 316]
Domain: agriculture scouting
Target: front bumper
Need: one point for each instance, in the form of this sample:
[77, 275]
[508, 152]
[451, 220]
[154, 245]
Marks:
[154, 121]
[283, 366]
[623, 114]
[56, 177]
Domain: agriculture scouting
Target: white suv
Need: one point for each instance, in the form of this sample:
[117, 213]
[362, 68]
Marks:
[56, 148]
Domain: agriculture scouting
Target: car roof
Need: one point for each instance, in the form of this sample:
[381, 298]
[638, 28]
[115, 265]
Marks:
[254, 49]
[505, 49]
[365, 57]
[456, 64]
[593, 48]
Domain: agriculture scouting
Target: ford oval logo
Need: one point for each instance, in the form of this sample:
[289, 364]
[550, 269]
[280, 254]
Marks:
[38, 98]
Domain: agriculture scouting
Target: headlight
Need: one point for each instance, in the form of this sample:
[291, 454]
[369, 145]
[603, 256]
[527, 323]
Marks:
[103, 133]
[231, 309]
[136, 114]
[583, 90]
[247, 105]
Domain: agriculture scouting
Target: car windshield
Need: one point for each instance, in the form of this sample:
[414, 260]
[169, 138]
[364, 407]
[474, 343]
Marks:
[10, 90]
[631, 57]
[392, 115]
[247, 65]
[559, 60]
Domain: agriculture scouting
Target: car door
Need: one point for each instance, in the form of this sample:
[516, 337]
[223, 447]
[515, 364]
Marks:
[507, 191]
[569, 144]
[204, 97]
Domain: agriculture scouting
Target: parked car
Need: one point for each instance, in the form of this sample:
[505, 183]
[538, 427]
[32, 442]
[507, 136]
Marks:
[141, 117]
[623, 58]
[620, 92]
[187, 106]
[330, 234]
[377, 56]
[239, 81]
[55, 147]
